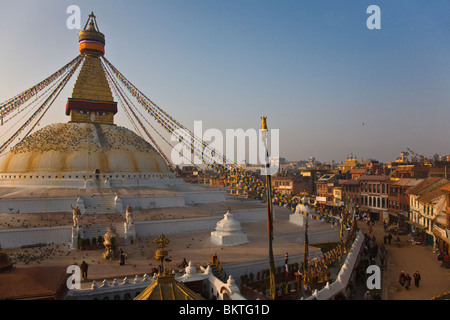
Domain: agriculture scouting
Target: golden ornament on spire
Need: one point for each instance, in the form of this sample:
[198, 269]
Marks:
[91, 40]
[263, 123]
[161, 241]
[160, 254]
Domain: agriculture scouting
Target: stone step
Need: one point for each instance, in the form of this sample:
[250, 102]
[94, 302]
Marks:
[99, 203]
[95, 230]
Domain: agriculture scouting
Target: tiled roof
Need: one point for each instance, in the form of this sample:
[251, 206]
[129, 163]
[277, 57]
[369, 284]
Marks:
[358, 170]
[430, 196]
[374, 178]
[408, 182]
[427, 185]
[349, 182]
[33, 283]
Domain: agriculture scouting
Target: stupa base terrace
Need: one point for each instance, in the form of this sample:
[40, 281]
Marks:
[27, 229]
[188, 227]
[139, 193]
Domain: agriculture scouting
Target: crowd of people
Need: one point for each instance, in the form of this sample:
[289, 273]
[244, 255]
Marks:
[405, 279]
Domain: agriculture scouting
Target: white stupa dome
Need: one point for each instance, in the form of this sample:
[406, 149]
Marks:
[228, 224]
[82, 148]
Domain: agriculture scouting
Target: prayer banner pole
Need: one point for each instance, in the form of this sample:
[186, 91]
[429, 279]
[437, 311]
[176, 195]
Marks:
[264, 132]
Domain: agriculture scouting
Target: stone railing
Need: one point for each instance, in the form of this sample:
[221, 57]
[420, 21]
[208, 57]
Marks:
[112, 290]
[128, 289]
[339, 286]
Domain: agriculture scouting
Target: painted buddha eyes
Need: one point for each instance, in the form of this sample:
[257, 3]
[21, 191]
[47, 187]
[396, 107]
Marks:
[99, 113]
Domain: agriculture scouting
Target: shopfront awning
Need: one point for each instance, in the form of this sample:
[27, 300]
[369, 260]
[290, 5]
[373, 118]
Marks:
[440, 236]
[416, 225]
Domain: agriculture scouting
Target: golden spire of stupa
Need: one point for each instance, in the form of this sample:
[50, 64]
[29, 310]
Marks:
[92, 99]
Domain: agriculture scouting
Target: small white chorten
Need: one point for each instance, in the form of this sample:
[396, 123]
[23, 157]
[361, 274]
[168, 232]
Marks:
[301, 210]
[228, 232]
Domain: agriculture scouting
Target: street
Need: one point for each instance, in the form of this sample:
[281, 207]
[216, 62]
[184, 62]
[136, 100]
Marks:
[435, 280]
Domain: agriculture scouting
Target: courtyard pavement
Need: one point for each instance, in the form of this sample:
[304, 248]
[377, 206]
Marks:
[408, 258]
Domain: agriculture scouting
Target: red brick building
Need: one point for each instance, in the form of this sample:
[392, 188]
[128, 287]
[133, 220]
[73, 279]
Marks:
[292, 185]
[398, 200]
[374, 196]
[325, 188]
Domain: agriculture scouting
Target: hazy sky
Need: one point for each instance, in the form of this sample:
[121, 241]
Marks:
[328, 83]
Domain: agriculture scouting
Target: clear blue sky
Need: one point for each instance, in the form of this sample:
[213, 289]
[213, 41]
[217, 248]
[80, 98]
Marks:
[312, 67]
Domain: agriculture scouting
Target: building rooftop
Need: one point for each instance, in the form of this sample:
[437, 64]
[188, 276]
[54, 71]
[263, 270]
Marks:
[165, 287]
[427, 185]
[407, 182]
[30, 283]
[381, 177]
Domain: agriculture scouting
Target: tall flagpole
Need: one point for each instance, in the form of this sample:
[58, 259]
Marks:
[305, 255]
[264, 132]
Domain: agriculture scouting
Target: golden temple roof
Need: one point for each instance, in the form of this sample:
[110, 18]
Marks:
[165, 287]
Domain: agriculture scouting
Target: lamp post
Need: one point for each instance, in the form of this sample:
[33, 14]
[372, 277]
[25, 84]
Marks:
[264, 132]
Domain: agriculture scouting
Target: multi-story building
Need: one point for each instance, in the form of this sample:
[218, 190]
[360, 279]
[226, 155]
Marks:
[441, 227]
[374, 196]
[325, 188]
[398, 200]
[425, 199]
[292, 185]
[350, 190]
[416, 171]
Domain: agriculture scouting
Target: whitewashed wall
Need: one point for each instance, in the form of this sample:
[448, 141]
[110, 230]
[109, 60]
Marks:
[151, 228]
[192, 198]
[15, 238]
[33, 205]
[153, 201]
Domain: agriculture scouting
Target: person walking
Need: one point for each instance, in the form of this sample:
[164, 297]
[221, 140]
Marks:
[389, 238]
[407, 281]
[401, 278]
[417, 278]
[84, 270]
[121, 257]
